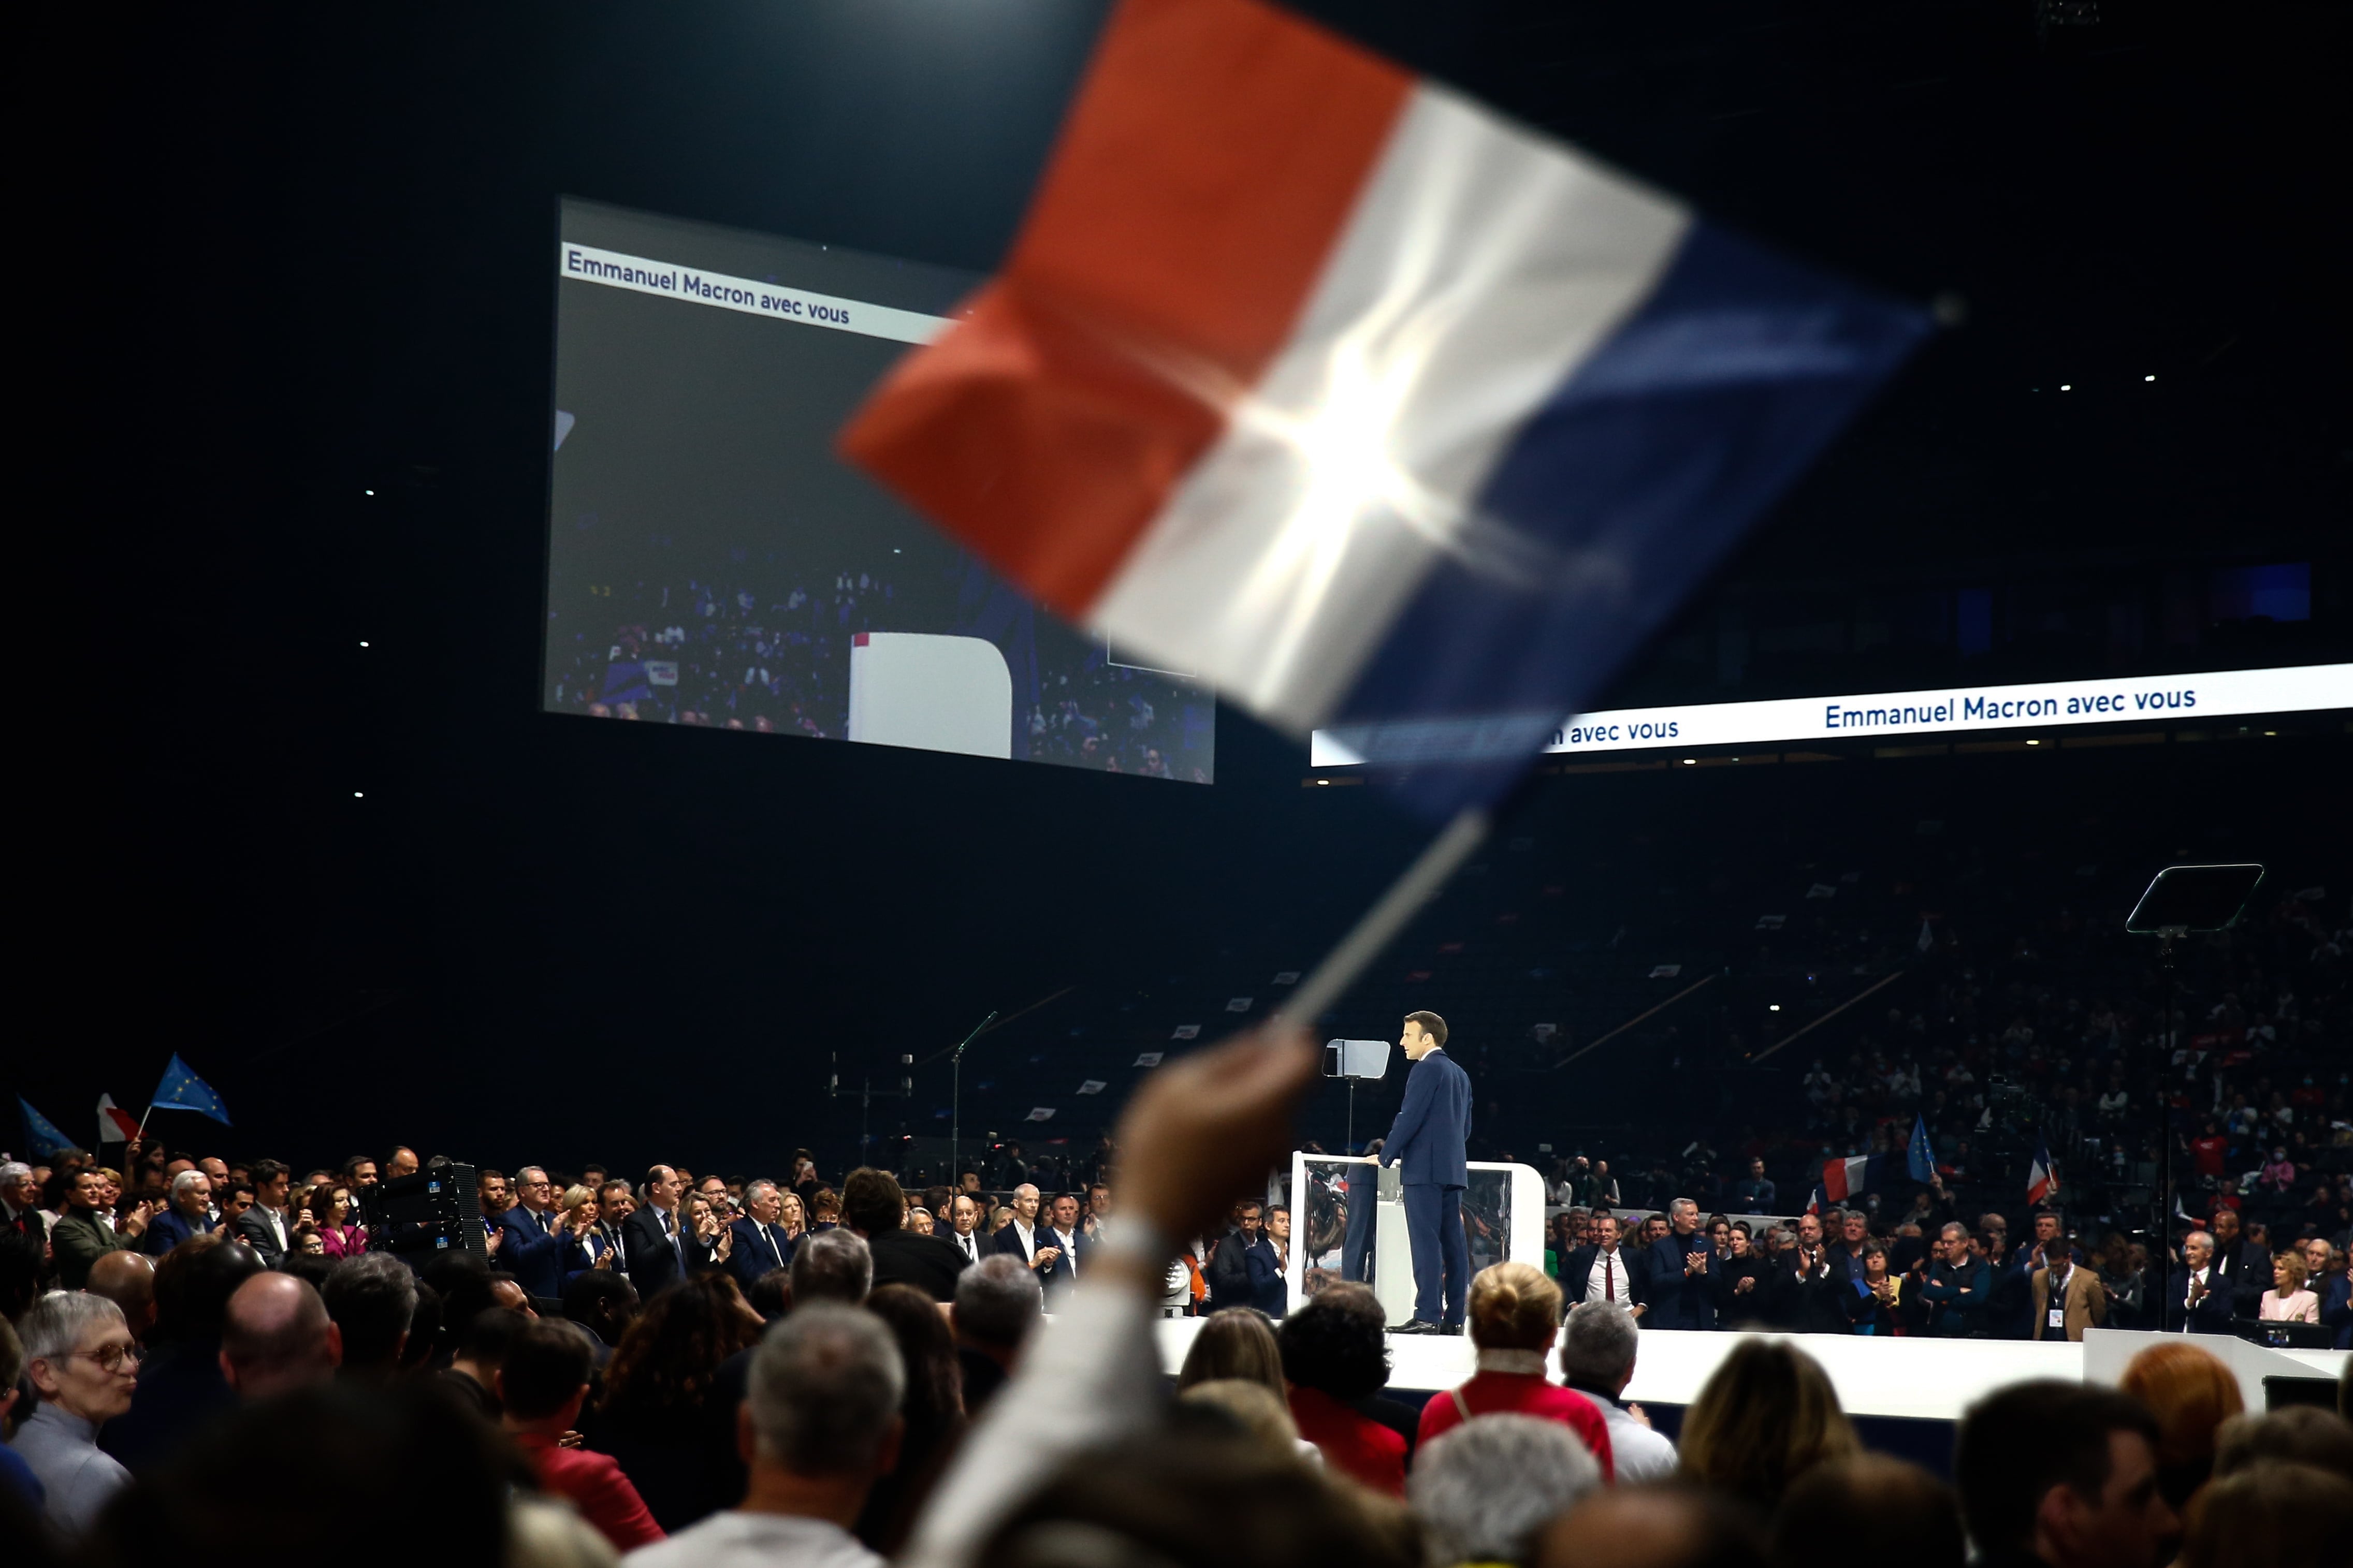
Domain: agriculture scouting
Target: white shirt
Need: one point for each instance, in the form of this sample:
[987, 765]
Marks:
[1070, 1246]
[2197, 1277]
[967, 1244]
[1610, 1283]
[1029, 1240]
[739, 1539]
[1636, 1453]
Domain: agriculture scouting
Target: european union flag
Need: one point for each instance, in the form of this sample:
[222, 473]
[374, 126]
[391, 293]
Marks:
[1920, 1157]
[186, 1089]
[41, 1134]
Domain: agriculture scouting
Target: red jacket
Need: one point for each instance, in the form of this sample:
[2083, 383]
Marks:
[1356, 1445]
[594, 1485]
[1520, 1394]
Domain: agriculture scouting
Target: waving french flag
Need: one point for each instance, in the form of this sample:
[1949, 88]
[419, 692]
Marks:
[1382, 413]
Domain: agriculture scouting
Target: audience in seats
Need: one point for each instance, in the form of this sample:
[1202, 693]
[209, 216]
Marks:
[2189, 1392]
[1764, 1419]
[543, 1382]
[1335, 1357]
[1514, 1312]
[1598, 1349]
[846, 1396]
[997, 1301]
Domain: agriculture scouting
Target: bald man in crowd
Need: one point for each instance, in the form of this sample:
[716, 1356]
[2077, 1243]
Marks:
[278, 1336]
[126, 1279]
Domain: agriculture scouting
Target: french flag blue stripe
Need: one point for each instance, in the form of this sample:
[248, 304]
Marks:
[1629, 483]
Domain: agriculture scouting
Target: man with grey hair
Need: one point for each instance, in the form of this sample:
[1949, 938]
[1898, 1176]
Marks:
[760, 1246]
[1597, 1348]
[20, 1201]
[276, 1336]
[1486, 1491]
[188, 1213]
[998, 1303]
[1677, 1287]
[832, 1265]
[532, 1243]
[819, 1425]
[82, 1363]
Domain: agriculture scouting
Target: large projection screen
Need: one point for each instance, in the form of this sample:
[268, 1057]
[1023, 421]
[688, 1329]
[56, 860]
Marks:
[711, 562]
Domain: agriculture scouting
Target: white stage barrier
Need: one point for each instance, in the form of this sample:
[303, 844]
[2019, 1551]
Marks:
[1933, 1380]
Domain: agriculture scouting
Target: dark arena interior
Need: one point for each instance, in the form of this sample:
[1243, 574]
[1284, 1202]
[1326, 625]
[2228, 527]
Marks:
[1829, 1148]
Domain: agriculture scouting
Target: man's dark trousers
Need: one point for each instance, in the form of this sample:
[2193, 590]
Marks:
[1433, 1220]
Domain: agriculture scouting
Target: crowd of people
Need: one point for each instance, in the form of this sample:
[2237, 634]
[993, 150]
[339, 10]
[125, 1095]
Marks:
[772, 656]
[201, 1359]
[1928, 1271]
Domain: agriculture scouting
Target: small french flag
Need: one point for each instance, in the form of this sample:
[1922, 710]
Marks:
[1844, 1179]
[2042, 1176]
[1386, 415]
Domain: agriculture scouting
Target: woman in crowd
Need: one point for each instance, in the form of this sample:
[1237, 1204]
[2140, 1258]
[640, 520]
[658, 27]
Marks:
[793, 1220]
[1767, 1417]
[1236, 1344]
[2192, 1392]
[1335, 1358]
[83, 1366]
[587, 1243]
[667, 1415]
[705, 1223]
[1738, 1280]
[2120, 1277]
[330, 1208]
[932, 1406]
[1514, 1315]
[1874, 1302]
[2288, 1301]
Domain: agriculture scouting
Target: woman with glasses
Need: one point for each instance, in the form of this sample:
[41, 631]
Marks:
[84, 1364]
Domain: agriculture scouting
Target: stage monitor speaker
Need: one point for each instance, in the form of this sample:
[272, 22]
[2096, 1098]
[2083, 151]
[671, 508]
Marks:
[1356, 1059]
[434, 1211]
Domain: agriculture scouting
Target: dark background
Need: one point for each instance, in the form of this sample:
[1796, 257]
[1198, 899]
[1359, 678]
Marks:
[271, 260]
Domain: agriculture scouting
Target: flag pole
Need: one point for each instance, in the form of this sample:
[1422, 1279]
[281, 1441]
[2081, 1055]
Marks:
[141, 1134]
[1438, 860]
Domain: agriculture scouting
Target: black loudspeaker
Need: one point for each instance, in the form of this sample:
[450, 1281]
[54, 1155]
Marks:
[417, 1217]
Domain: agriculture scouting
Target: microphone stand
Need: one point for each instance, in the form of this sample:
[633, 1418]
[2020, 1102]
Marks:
[955, 1104]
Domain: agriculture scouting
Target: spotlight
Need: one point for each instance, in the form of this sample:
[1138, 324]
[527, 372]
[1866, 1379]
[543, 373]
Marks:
[367, 492]
[2148, 378]
[363, 642]
[357, 795]
[1773, 1008]
[2066, 387]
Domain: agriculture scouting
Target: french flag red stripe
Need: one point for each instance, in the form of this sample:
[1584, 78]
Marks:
[1052, 398]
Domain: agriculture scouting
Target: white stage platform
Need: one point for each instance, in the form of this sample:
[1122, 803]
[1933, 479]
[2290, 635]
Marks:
[1932, 1380]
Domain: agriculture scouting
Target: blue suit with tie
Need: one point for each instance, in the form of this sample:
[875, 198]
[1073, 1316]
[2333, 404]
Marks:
[1429, 1142]
[531, 1248]
[754, 1254]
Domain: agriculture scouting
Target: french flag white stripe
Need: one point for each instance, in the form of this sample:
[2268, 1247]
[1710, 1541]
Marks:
[1480, 267]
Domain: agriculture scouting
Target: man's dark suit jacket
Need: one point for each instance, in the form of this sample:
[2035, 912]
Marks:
[531, 1251]
[254, 1225]
[2212, 1315]
[750, 1258]
[2247, 1275]
[654, 1263]
[929, 1263]
[1576, 1272]
[1429, 1140]
[170, 1228]
[1009, 1239]
[1678, 1301]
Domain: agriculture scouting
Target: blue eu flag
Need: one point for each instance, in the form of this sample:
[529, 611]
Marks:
[41, 1134]
[1920, 1157]
[186, 1089]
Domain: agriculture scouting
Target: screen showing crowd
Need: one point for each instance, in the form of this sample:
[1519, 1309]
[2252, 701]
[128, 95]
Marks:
[711, 561]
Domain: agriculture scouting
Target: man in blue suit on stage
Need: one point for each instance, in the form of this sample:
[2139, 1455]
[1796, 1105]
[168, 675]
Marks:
[1429, 1142]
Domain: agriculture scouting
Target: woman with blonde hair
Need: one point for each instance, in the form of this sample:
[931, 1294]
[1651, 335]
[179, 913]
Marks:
[2192, 1392]
[2288, 1301]
[1515, 1314]
[587, 1245]
[1235, 1343]
[1767, 1416]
